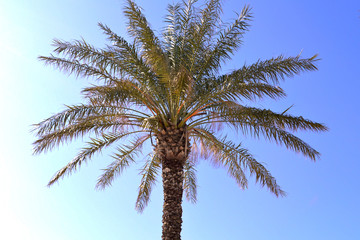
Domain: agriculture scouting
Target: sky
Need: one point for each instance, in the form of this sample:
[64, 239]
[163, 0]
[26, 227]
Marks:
[323, 197]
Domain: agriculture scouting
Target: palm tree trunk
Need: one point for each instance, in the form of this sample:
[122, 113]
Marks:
[173, 190]
[172, 148]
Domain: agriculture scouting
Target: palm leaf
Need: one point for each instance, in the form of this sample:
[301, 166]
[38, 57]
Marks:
[233, 157]
[123, 159]
[149, 173]
[78, 68]
[141, 32]
[273, 70]
[95, 145]
[228, 41]
[190, 186]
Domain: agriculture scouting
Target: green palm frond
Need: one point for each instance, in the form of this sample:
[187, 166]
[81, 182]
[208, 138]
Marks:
[126, 91]
[234, 158]
[233, 112]
[202, 31]
[273, 70]
[190, 186]
[250, 91]
[209, 19]
[120, 92]
[271, 125]
[94, 146]
[287, 139]
[82, 52]
[171, 35]
[187, 15]
[53, 139]
[166, 91]
[229, 93]
[179, 35]
[76, 113]
[149, 173]
[278, 135]
[79, 69]
[132, 63]
[216, 150]
[78, 121]
[123, 159]
[273, 133]
[151, 48]
[229, 40]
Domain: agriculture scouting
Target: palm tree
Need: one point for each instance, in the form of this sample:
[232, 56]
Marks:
[172, 94]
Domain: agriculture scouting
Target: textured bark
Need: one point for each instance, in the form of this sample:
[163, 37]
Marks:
[173, 148]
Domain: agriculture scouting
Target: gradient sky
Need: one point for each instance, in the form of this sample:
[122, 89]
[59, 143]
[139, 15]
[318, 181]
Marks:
[323, 197]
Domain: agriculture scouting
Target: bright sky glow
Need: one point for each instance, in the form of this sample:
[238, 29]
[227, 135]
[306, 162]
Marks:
[323, 197]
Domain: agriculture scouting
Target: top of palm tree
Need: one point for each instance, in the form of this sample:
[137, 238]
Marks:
[156, 84]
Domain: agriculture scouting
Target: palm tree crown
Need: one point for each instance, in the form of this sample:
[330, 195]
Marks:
[171, 92]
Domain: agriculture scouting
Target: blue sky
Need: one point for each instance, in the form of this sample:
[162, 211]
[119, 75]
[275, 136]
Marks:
[323, 197]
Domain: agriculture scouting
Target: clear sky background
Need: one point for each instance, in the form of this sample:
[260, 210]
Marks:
[323, 197]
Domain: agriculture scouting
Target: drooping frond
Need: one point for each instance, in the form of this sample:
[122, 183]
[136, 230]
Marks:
[236, 159]
[190, 186]
[149, 173]
[94, 146]
[123, 159]
[289, 140]
[258, 122]
[280, 136]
